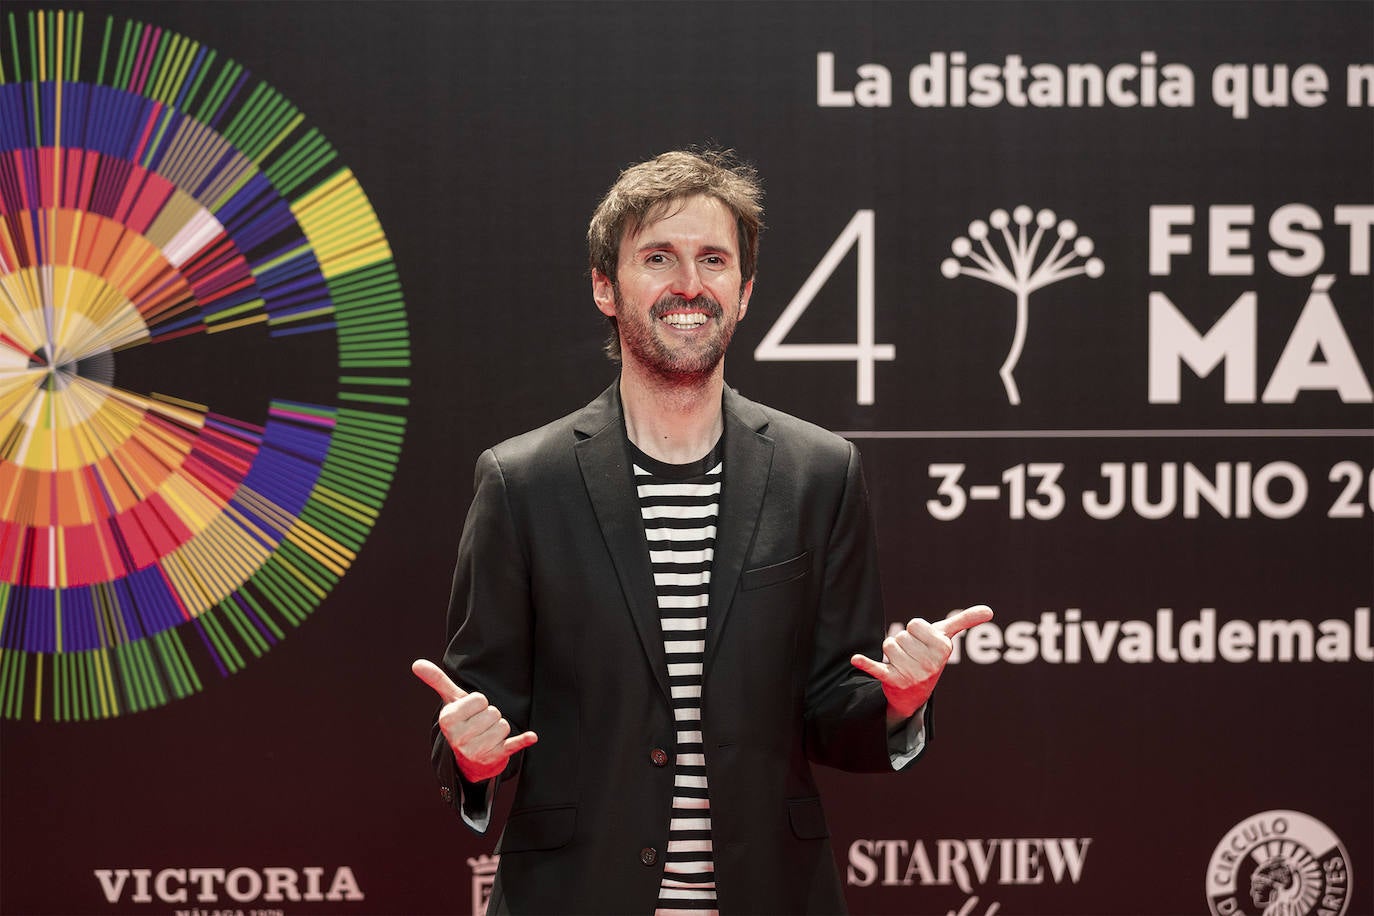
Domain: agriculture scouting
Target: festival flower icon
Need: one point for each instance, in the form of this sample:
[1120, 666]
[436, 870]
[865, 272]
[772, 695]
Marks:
[976, 255]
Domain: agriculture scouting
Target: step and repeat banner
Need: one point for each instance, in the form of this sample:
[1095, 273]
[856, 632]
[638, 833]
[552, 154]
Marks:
[1088, 284]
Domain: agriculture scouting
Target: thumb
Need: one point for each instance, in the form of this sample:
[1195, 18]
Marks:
[438, 681]
[959, 621]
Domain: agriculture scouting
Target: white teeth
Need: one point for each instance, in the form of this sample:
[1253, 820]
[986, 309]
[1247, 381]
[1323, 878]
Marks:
[685, 321]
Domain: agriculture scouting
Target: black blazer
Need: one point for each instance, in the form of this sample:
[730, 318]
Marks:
[554, 618]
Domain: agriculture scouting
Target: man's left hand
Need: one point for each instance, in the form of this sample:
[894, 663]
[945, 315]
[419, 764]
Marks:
[915, 657]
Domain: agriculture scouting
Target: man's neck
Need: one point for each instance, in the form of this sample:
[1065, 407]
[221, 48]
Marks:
[673, 421]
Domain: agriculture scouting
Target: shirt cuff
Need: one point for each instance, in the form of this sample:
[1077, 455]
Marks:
[908, 740]
[475, 803]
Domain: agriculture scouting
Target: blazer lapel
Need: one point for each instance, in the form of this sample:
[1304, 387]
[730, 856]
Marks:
[606, 471]
[748, 460]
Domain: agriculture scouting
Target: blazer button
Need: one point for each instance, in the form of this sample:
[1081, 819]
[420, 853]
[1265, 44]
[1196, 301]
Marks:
[658, 757]
[648, 855]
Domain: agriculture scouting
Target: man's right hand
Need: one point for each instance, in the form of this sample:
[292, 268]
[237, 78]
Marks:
[475, 730]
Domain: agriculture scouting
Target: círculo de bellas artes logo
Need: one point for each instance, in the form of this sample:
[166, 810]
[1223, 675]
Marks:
[1279, 863]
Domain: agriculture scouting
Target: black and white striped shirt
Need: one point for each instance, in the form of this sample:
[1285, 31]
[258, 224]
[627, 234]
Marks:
[679, 504]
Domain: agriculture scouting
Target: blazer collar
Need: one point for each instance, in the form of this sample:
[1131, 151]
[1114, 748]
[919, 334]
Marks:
[748, 461]
[600, 413]
[605, 464]
[604, 461]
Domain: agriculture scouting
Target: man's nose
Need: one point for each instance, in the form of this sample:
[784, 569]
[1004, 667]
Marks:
[687, 280]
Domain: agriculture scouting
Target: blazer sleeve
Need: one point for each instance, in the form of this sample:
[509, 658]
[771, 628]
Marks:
[846, 712]
[489, 632]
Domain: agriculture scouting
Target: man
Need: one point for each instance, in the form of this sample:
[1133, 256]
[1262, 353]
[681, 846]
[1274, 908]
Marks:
[662, 603]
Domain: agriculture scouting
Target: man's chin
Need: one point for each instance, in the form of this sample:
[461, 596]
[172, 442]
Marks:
[675, 360]
[686, 368]
[680, 374]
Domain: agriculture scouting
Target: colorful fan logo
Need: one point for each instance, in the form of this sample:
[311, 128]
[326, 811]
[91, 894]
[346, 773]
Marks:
[203, 357]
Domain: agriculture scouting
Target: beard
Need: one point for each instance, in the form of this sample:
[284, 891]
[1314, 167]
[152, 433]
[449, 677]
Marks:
[676, 361]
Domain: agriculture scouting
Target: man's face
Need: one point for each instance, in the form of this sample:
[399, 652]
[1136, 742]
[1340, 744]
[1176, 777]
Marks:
[677, 295]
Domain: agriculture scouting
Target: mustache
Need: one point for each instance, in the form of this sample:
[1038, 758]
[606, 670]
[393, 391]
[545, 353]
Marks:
[670, 303]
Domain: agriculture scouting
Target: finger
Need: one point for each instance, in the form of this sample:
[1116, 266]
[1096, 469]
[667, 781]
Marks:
[909, 649]
[484, 740]
[926, 633]
[869, 666]
[913, 661]
[467, 707]
[960, 621]
[435, 677]
[519, 742]
[476, 723]
[492, 746]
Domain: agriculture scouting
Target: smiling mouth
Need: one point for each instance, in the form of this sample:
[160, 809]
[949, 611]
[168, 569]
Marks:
[685, 321]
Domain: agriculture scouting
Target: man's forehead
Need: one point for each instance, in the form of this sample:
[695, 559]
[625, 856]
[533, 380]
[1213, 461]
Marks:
[667, 209]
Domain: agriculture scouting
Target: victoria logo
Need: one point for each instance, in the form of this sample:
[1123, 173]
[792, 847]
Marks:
[1016, 267]
[1279, 863]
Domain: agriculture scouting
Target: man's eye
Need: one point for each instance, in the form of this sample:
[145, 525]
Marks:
[656, 258]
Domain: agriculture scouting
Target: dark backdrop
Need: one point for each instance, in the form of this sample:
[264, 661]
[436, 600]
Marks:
[484, 134]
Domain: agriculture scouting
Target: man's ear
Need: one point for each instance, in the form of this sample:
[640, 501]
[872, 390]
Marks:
[744, 298]
[603, 293]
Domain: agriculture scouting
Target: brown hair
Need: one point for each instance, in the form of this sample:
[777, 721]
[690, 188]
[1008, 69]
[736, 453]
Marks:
[643, 189]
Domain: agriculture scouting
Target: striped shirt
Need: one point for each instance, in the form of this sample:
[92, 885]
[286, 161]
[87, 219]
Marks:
[679, 505]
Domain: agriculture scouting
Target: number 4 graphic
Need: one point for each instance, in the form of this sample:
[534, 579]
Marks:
[858, 234]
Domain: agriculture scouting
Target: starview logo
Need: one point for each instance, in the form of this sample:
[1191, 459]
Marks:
[967, 864]
[271, 884]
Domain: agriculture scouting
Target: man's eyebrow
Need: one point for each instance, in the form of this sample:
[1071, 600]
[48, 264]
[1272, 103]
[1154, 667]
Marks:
[704, 249]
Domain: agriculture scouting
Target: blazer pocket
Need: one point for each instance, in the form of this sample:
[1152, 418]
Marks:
[808, 820]
[785, 571]
[538, 828]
